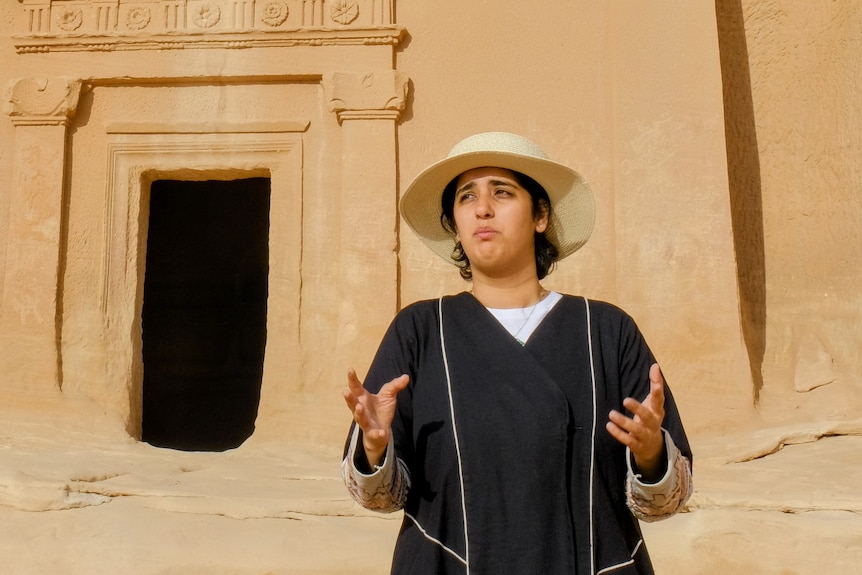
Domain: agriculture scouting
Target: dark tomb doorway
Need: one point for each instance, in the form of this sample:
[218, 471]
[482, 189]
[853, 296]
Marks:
[204, 312]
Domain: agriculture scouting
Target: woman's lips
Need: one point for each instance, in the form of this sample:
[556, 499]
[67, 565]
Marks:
[484, 232]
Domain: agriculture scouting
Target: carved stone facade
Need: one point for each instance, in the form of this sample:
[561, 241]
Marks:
[100, 96]
[71, 319]
[723, 141]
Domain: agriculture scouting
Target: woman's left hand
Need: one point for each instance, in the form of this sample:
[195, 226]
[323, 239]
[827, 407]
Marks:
[642, 433]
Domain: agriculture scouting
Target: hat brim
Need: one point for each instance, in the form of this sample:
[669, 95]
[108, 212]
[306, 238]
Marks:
[572, 203]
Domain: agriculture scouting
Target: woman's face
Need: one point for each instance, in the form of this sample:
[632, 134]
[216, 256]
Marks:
[495, 224]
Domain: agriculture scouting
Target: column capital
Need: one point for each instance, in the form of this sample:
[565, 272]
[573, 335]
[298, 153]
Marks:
[380, 94]
[42, 101]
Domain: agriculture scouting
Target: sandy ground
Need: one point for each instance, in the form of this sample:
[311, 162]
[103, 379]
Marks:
[86, 503]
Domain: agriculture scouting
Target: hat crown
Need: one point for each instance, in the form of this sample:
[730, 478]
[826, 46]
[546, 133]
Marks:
[500, 142]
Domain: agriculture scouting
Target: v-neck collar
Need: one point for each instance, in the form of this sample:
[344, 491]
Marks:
[489, 317]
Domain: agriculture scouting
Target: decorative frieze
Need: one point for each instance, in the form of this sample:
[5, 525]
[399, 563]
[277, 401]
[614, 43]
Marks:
[47, 25]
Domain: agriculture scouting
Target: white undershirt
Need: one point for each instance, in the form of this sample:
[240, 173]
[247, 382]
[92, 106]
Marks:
[521, 322]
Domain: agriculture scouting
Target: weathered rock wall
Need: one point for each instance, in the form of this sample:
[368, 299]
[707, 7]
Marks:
[805, 78]
[722, 144]
[631, 96]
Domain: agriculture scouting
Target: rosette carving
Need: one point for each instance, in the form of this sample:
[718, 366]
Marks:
[344, 11]
[70, 19]
[206, 15]
[138, 18]
[274, 13]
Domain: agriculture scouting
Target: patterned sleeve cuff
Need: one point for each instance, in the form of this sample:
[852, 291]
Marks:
[385, 489]
[656, 501]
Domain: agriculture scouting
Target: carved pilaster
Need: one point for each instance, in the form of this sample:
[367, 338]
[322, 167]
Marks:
[42, 101]
[373, 95]
[41, 109]
[368, 105]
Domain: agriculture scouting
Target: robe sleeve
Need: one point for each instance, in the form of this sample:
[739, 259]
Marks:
[385, 488]
[652, 502]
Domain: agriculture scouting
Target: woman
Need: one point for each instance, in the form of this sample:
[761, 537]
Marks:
[522, 431]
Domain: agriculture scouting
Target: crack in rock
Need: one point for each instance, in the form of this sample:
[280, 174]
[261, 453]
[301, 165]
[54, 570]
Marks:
[796, 437]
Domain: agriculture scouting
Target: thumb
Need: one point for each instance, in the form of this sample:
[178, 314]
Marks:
[397, 384]
[656, 384]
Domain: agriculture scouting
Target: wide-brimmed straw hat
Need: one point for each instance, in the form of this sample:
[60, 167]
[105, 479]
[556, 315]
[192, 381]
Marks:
[572, 204]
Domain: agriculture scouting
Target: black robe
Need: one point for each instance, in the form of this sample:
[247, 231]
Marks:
[514, 451]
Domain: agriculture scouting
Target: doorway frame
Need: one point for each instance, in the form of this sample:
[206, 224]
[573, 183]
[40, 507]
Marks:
[141, 154]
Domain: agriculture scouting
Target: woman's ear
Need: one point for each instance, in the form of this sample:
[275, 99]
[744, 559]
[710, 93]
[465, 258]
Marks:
[542, 214]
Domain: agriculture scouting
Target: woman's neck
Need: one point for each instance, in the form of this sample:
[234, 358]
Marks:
[508, 294]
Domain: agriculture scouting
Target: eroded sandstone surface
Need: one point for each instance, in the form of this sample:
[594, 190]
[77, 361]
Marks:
[90, 500]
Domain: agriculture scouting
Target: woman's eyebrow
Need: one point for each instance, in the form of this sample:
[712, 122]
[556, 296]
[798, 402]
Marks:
[465, 187]
[472, 184]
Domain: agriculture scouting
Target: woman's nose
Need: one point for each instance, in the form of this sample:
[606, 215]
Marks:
[483, 207]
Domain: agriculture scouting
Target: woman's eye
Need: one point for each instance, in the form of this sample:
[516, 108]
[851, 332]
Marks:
[502, 192]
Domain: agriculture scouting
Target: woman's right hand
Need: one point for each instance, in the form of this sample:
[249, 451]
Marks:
[373, 413]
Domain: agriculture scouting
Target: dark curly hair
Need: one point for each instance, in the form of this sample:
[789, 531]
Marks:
[546, 252]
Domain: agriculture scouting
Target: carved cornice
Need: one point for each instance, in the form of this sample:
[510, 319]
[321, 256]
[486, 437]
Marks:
[380, 94]
[114, 25]
[42, 101]
[44, 43]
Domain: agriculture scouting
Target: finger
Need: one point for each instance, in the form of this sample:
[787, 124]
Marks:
[641, 430]
[396, 385]
[619, 434]
[655, 373]
[647, 420]
[649, 411]
[625, 424]
[656, 384]
[363, 420]
[349, 398]
[353, 382]
[633, 435]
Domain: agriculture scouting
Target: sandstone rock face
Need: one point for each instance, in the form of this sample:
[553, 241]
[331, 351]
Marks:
[724, 146]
